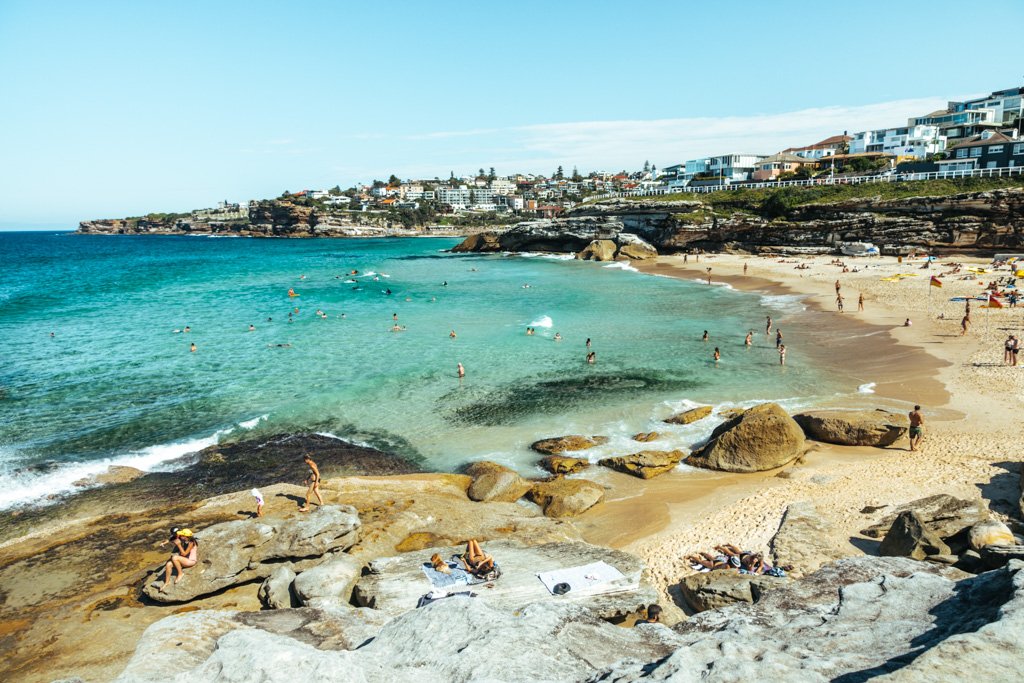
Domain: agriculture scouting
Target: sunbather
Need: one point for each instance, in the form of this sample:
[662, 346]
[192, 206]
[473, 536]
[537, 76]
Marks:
[708, 561]
[478, 563]
[439, 564]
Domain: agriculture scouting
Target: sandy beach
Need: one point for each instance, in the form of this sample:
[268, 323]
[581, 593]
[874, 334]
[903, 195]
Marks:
[968, 395]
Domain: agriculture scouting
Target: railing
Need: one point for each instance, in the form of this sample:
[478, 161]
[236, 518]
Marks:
[1002, 172]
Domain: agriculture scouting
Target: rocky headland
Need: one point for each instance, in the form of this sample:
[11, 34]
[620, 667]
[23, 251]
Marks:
[747, 221]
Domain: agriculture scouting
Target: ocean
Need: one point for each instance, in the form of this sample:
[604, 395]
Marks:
[116, 383]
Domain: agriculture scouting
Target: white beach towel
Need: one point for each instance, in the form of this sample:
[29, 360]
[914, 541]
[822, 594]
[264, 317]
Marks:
[587, 578]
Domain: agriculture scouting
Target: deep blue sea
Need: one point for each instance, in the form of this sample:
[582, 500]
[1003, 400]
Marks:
[117, 383]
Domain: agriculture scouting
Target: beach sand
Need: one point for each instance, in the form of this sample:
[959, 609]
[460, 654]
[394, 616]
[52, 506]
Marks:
[970, 400]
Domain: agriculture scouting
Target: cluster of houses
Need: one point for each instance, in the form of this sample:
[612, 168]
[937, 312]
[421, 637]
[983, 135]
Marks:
[982, 133]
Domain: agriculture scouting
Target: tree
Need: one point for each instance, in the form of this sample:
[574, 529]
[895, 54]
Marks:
[647, 166]
[492, 175]
[576, 177]
[559, 174]
[334, 191]
[394, 180]
[481, 174]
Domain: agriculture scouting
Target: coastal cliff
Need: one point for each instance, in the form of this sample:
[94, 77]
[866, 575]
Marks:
[750, 221]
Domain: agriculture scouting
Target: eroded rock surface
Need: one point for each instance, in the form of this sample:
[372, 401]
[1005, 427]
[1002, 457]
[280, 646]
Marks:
[805, 540]
[687, 416]
[645, 464]
[237, 552]
[495, 483]
[572, 442]
[561, 464]
[909, 537]
[722, 587]
[566, 497]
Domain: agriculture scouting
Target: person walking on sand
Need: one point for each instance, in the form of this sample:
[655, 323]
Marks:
[768, 325]
[838, 286]
[1014, 350]
[749, 341]
[916, 428]
[460, 370]
[782, 354]
[860, 302]
[709, 276]
[965, 323]
[313, 482]
[744, 268]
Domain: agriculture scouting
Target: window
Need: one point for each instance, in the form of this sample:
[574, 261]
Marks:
[961, 153]
[975, 151]
[1018, 149]
[995, 149]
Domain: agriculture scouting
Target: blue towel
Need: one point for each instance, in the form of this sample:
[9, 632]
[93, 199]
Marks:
[458, 576]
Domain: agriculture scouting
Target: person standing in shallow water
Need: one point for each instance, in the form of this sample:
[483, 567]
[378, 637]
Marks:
[778, 337]
[749, 341]
[782, 354]
[768, 325]
[313, 482]
[718, 355]
[705, 337]
[460, 370]
[860, 302]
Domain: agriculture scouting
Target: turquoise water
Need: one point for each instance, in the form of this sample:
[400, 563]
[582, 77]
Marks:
[117, 384]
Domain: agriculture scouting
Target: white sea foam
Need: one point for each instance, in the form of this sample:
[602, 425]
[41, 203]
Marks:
[18, 487]
[621, 265]
[559, 257]
[716, 283]
[543, 321]
[787, 303]
[868, 388]
[250, 424]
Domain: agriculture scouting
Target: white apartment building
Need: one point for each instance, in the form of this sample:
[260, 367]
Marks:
[503, 186]
[1006, 105]
[512, 201]
[909, 141]
[734, 167]
[455, 197]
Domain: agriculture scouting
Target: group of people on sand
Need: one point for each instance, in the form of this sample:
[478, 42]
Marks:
[728, 556]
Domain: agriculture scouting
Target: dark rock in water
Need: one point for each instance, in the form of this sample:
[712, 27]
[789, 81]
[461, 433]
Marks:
[534, 396]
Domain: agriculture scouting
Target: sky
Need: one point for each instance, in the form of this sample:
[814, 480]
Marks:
[110, 109]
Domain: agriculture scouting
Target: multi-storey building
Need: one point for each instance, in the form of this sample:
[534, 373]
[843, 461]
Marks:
[837, 144]
[455, 197]
[987, 150]
[915, 142]
[734, 167]
[503, 186]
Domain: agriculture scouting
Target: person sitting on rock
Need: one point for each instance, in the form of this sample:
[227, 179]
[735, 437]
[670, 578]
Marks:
[187, 556]
[478, 563]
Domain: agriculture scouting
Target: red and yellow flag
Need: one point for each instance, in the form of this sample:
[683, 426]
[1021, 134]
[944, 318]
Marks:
[993, 302]
[935, 282]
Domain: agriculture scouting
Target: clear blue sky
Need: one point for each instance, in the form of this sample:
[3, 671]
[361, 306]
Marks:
[120, 108]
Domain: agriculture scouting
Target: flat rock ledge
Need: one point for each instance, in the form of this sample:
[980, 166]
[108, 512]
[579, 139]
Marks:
[889, 619]
[394, 584]
[247, 550]
[572, 442]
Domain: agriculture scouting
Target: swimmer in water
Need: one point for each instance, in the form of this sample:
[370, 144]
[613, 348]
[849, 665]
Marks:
[398, 328]
[52, 335]
[768, 324]
[444, 284]
[588, 342]
[750, 339]
[718, 355]
[193, 347]
[592, 357]
[529, 331]
[269, 319]
[558, 337]
[387, 291]
[461, 370]
[187, 328]
[452, 334]
[394, 316]
[252, 328]
[705, 337]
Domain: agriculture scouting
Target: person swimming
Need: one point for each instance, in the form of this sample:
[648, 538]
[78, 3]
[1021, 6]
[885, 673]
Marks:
[749, 341]
[558, 336]
[252, 328]
[452, 334]
[705, 337]
[193, 347]
[460, 370]
[718, 355]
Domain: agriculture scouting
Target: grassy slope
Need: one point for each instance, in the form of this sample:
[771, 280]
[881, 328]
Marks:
[824, 194]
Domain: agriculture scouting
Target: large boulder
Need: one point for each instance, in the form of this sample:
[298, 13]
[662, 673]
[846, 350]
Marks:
[645, 464]
[598, 250]
[395, 584]
[854, 427]
[687, 416]
[495, 483]
[247, 550]
[908, 537]
[566, 497]
[276, 590]
[947, 517]
[762, 438]
[722, 587]
[572, 442]
[561, 464]
[995, 556]
[329, 582]
[805, 540]
[989, 532]
[481, 241]
[634, 248]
